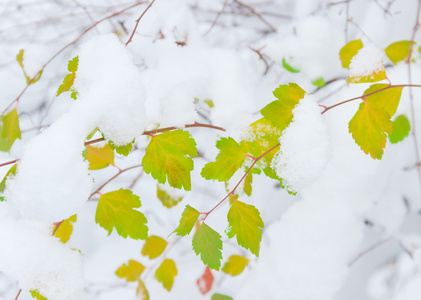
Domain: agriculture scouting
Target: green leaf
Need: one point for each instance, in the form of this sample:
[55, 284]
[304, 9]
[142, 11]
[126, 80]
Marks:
[187, 221]
[319, 82]
[398, 51]
[166, 199]
[141, 290]
[168, 156]
[91, 135]
[228, 161]
[244, 221]
[10, 173]
[235, 265]
[131, 271]
[116, 210]
[207, 242]
[209, 102]
[349, 51]
[247, 184]
[65, 229]
[154, 246]
[122, 150]
[9, 130]
[166, 273]
[217, 296]
[387, 99]
[35, 294]
[369, 127]
[400, 129]
[99, 157]
[279, 112]
[288, 67]
[69, 78]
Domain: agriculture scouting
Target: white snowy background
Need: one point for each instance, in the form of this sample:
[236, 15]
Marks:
[353, 231]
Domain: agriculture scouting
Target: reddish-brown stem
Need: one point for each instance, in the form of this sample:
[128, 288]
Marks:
[232, 192]
[65, 47]
[369, 94]
[217, 17]
[112, 178]
[9, 163]
[137, 22]
[17, 296]
[251, 9]
[57, 226]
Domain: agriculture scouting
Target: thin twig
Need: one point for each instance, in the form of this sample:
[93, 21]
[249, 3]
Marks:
[251, 9]
[261, 57]
[137, 22]
[217, 17]
[368, 251]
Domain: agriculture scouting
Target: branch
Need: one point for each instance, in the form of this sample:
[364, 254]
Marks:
[137, 22]
[251, 9]
[217, 17]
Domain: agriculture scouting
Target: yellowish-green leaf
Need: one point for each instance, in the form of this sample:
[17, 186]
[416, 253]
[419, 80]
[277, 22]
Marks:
[9, 129]
[154, 246]
[247, 184]
[369, 127]
[288, 66]
[400, 129]
[117, 210]
[168, 157]
[166, 273]
[122, 150]
[141, 291]
[217, 296]
[319, 82]
[19, 58]
[279, 112]
[131, 271]
[399, 51]
[245, 222]
[349, 51]
[377, 75]
[91, 135]
[166, 199]
[228, 161]
[209, 102]
[10, 173]
[235, 265]
[99, 157]
[187, 221]
[207, 242]
[35, 294]
[69, 78]
[387, 99]
[65, 229]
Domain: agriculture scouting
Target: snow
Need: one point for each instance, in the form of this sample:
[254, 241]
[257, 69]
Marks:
[367, 61]
[304, 149]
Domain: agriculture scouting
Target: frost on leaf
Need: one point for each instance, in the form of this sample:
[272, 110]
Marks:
[230, 158]
[235, 265]
[166, 273]
[117, 210]
[367, 66]
[400, 129]
[131, 271]
[154, 246]
[245, 223]
[9, 130]
[279, 112]
[207, 242]
[65, 229]
[399, 51]
[187, 221]
[168, 157]
[349, 51]
[99, 157]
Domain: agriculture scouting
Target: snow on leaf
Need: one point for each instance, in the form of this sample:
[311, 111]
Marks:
[11, 172]
[116, 210]
[166, 199]
[9, 130]
[367, 66]
[141, 290]
[168, 156]
[166, 273]
[154, 246]
[235, 265]
[279, 112]
[69, 78]
[369, 127]
[400, 129]
[99, 157]
[187, 221]
[398, 51]
[65, 229]
[228, 161]
[207, 242]
[387, 99]
[122, 150]
[245, 222]
[205, 282]
[349, 51]
[35, 294]
[217, 296]
[288, 67]
[131, 271]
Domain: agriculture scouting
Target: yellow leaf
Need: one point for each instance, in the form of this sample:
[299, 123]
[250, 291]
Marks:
[387, 99]
[141, 291]
[99, 157]
[398, 51]
[65, 229]
[349, 51]
[166, 273]
[131, 271]
[235, 265]
[154, 246]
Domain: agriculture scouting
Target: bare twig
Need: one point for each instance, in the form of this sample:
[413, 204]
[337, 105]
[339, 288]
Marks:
[257, 51]
[217, 17]
[251, 9]
[137, 22]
